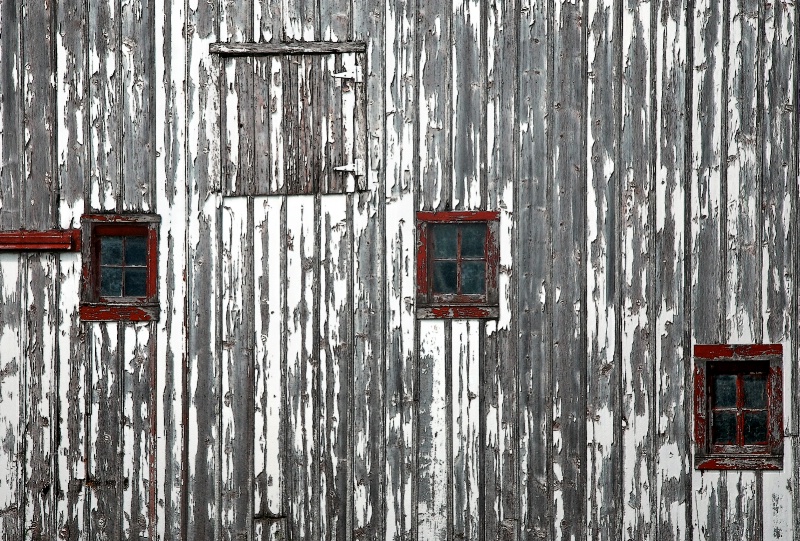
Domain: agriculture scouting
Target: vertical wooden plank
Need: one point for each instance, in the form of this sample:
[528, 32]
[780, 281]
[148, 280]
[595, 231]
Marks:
[276, 131]
[11, 114]
[778, 134]
[534, 239]
[39, 341]
[334, 124]
[72, 155]
[707, 287]
[301, 368]
[501, 493]
[433, 509]
[239, 126]
[743, 175]
[347, 113]
[308, 119]
[300, 20]
[72, 400]
[604, 460]
[435, 105]
[39, 102]
[263, 152]
[105, 105]
[741, 227]
[71, 110]
[335, 20]
[400, 156]
[368, 504]
[465, 429]
[269, 278]
[137, 107]
[203, 158]
[674, 414]
[467, 49]
[268, 21]
[335, 365]
[237, 367]
[636, 246]
[104, 475]
[11, 385]
[170, 124]
[568, 204]
[138, 437]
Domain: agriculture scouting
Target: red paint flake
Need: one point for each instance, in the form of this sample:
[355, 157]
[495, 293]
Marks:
[61, 240]
[114, 313]
[458, 216]
[718, 351]
[460, 312]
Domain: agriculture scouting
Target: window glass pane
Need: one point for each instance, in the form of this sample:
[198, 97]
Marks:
[445, 241]
[110, 282]
[135, 282]
[110, 250]
[755, 427]
[444, 277]
[755, 390]
[473, 277]
[724, 428]
[724, 390]
[473, 240]
[136, 251]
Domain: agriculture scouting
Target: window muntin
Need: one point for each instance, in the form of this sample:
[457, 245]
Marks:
[123, 265]
[458, 261]
[738, 404]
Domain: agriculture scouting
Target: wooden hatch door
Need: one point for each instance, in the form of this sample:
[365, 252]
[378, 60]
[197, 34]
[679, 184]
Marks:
[294, 124]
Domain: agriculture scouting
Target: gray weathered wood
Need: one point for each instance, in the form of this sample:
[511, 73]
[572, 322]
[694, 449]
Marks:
[11, 112]
[604, 427]
[136, 61]
[637, 269]
[500, 468]
[567, 294]
[105, 106]
[305, 47]
[433, 34]
[534, 274]
[398, 158]
[674, 396]
[203, 390]
[38, 60]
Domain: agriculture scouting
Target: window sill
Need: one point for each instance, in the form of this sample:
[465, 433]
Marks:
[452, 311]
[119, 312]
[738, 462]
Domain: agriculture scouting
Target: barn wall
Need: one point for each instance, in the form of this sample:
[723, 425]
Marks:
[643, 157]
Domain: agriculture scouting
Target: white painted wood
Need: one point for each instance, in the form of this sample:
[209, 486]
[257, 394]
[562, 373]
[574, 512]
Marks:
[301, 368]
[433, 505]
[466, 437]
[11, 384]
[268, 253]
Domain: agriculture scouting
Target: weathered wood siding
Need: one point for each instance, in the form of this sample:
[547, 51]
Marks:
[643, 156]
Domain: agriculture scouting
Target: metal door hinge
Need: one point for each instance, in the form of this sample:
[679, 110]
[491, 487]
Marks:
[357, 168]
[355, 75]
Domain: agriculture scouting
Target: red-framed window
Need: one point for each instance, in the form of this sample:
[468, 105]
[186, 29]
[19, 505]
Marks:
[738, 403]
[457, 257]
[120, 267]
